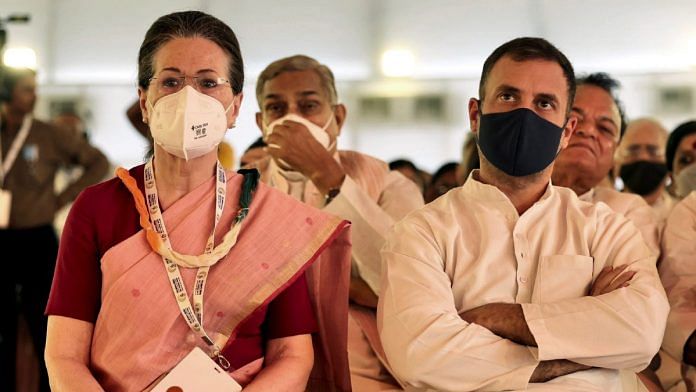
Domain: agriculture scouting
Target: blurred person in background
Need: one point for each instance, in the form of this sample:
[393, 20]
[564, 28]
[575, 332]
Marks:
[410, 171]
[32, 153]
[681, 158]
[589, 157]
[470, 158]
[640, 163]
[73, 123]
[444, 179]
[253, 154]
[301, 118]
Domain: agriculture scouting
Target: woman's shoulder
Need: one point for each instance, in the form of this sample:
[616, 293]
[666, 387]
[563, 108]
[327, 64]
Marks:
[108, 194]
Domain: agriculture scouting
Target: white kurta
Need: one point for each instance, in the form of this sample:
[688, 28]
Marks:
[470, 248]
[372, 198]
[663, 206]
[632, 207]
[678, 272]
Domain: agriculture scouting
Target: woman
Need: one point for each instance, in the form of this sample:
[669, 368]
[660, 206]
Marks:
[681, 158]
[119, 313]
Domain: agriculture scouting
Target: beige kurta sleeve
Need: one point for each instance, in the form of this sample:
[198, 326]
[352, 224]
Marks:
[426, 343]
[622, 329]
[371, 220]
[645, 219]
[678, 272]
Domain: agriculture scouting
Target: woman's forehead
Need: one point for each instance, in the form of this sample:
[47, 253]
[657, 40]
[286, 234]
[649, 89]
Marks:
[191, 55]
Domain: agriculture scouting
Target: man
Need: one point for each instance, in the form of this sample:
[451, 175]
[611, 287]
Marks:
[32, 153]
[410, 171]
[589, 156]
[301, 119]
[641, 164]
[508, 283]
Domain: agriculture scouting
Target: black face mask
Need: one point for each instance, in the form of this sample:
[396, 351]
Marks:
[643, 177]
[518, 142]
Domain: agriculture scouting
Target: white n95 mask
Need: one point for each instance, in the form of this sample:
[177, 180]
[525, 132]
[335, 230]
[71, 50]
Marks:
[685, 181]
[319, 133]
[188, 123]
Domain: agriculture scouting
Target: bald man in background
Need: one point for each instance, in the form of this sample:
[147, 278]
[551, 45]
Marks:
[641, 164]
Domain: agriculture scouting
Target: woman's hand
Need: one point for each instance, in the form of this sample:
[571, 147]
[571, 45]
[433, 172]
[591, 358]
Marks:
[288, 362]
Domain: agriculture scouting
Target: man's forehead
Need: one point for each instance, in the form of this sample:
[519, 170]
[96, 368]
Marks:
[533, 75]
[594, 99]
[293, 83]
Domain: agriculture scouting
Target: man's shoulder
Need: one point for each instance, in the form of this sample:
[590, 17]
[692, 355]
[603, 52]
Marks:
[685, 208]
[619, 201]
[591, 210]
[359, 161]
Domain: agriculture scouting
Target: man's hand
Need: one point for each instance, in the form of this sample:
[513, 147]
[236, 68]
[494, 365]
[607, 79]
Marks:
[292, 143]
[548, 370]
[504, 320]
[610, 279]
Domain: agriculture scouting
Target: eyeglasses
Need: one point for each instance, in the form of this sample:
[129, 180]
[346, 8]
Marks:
[634, 151]
[209, 83]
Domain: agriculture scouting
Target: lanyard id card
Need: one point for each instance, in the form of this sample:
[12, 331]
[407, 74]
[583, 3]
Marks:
[197, 373]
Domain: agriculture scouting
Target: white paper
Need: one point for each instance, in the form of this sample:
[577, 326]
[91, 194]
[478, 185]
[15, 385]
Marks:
[198, 373]
[5, 204]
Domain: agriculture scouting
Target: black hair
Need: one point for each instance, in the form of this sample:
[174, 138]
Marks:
[401, 163]
[9, 79]
[256, 144]
[529, 48]
[444, 169]
[679, 133]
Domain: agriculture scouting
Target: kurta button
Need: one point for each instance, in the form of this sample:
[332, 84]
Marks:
[523, 279]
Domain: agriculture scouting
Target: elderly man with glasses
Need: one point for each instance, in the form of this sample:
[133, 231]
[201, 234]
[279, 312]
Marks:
[641, 164]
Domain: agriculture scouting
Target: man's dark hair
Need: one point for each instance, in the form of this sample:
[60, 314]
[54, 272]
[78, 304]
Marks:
[399, 163]
[529, 48]
[442, 170]
[604, 81]
[10, 78]
[258, 143]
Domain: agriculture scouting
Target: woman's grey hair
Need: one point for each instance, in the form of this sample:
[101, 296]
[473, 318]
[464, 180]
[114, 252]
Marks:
[298, 63]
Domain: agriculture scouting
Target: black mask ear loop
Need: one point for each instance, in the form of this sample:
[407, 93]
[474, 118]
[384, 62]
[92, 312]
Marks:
[559, 143]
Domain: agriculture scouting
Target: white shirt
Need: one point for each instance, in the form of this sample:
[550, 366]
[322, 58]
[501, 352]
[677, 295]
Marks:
[632, 207]
[371, 197]
[470, 248]
[678, 272]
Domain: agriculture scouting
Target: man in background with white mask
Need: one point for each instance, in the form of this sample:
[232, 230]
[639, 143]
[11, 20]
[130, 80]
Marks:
[589, 157]
[301, 119]
[510, 283]
[641, 164]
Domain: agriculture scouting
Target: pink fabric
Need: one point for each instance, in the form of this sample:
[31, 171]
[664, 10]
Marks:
[140, 333]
